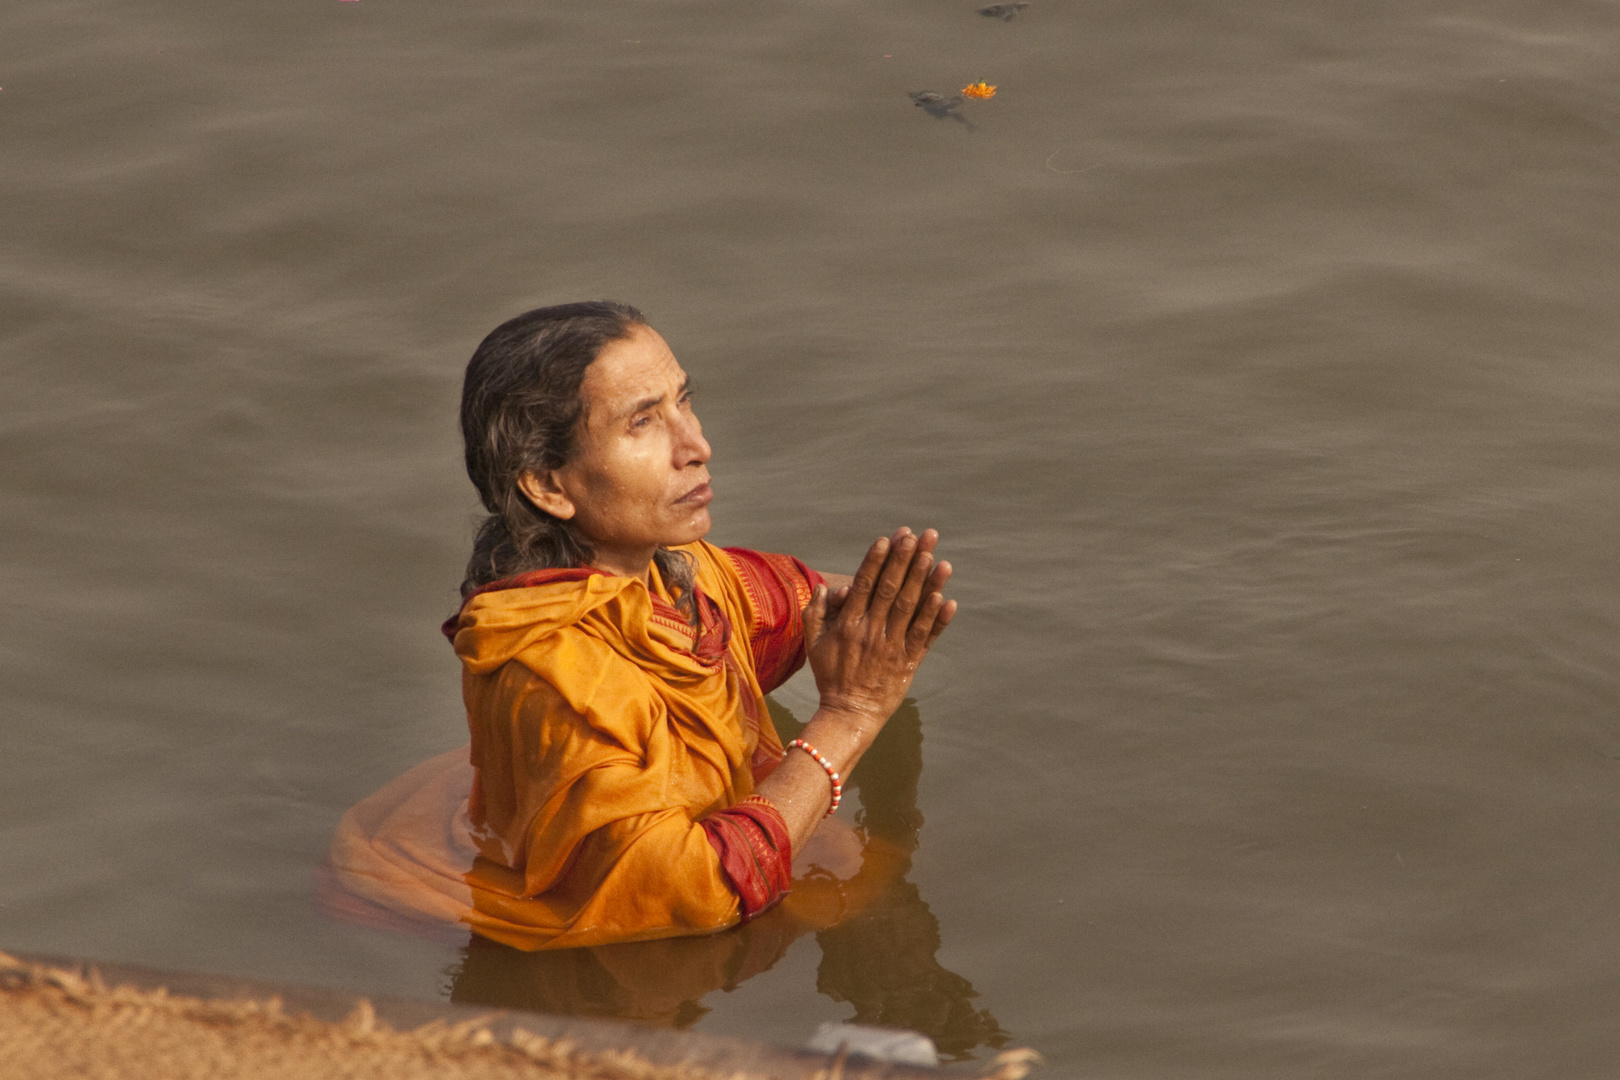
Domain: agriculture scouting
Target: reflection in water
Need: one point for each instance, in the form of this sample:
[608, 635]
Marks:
[880, 960]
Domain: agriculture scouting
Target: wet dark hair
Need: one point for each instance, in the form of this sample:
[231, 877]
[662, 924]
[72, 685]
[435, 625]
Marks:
[521, 411]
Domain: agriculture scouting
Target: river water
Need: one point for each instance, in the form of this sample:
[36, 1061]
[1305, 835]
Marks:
[1259, 362]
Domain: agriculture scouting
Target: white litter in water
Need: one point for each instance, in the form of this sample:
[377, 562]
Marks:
[884, 1044]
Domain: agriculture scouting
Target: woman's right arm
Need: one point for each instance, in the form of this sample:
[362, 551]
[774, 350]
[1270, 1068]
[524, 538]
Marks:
[864, 652]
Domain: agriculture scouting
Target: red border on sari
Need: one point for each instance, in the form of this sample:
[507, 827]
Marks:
[756, 854]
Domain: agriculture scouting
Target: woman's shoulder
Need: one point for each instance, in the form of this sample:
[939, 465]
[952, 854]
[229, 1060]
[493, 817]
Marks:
[496, 626]
[567, 637]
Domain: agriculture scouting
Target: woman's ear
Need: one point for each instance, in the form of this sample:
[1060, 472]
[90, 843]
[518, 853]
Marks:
[543, 490]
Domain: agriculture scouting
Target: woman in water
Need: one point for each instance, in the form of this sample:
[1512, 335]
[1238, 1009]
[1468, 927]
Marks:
[626, 780]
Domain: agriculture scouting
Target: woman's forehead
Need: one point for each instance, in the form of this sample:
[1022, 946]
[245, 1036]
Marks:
[631, 373]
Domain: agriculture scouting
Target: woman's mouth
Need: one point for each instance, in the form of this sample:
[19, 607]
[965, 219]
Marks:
[698, 496]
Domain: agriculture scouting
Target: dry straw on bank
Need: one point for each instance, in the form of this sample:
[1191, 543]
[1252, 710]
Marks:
[57, 1023]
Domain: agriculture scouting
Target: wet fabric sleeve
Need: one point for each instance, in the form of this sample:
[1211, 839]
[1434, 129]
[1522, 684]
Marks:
[778, 588]
[756, 854]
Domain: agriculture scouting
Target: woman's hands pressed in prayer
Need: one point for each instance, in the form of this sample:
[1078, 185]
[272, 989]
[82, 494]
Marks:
[864, 640]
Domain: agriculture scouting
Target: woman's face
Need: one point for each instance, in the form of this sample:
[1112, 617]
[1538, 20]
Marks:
[639, 478]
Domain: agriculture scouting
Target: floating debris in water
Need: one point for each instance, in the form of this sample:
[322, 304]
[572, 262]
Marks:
[938, 105]
[935, 104]
[1004, 12]
[980, 89]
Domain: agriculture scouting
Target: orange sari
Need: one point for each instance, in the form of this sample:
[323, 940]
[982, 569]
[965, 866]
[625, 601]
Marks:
[611, 744]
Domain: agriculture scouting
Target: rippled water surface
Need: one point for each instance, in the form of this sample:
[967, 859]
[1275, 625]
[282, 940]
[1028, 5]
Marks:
[1259, 361]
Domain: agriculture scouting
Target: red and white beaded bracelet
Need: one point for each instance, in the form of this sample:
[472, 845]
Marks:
[832, 773]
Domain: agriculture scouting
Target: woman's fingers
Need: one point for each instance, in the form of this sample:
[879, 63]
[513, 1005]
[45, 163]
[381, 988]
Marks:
[937, 580]
[920, 632]
[860, 590]
[892, 578]
[912, 592]
[940, 612]
[815, 613]
[891, 588]
[947, 612]
[835, 601]
[933, 616]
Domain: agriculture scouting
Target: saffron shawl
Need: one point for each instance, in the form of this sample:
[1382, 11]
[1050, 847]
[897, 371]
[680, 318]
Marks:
[605, 730]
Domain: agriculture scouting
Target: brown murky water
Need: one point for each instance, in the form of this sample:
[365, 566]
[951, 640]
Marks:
[1260, 363]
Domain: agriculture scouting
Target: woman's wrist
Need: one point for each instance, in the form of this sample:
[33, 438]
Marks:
[840, 736]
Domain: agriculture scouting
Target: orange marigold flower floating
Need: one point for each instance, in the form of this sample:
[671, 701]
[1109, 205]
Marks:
[980, 89]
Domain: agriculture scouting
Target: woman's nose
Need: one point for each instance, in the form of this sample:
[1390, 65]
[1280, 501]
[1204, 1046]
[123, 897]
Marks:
[691, 448]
